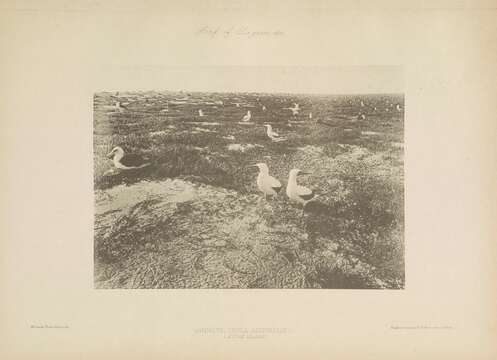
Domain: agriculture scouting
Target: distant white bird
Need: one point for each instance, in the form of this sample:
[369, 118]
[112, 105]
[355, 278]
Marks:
[247, 117]
[362, 103]
[398, 107]
[200, 112]
[265, 182]
[117, 107]
[375, 108]
[263, 108]
[126, 162]
[362, 117]
[295, 109]
[273, 135]
[310, 115]
[297, 193]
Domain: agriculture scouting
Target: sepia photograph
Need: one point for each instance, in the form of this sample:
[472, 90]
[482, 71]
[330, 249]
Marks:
[247, 188]
[245, 180]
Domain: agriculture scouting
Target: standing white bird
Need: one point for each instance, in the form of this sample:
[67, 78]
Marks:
[265, 182]
[297, 193]
[247, 117]
[272, 134]
[263, 108]
[126, 162]
[310, 115]
[398, 107]
[200, 112]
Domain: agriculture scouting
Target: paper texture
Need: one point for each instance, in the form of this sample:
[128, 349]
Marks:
[57, 55]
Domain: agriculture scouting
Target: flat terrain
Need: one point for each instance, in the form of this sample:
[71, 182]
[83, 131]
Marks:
[194, 218]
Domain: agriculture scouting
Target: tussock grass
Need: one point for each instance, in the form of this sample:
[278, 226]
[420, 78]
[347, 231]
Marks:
[350, 237]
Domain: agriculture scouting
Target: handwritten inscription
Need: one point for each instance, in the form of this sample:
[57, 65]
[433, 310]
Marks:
[226, 32]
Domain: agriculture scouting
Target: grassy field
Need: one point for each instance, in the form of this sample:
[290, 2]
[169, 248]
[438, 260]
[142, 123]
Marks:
[195, 219]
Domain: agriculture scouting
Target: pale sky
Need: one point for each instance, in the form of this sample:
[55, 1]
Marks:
[314, 80]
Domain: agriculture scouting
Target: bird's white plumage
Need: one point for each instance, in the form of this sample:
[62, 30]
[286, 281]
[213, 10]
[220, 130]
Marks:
[119, 158]
[265, 182]
[272, 134]
[295, 109]
[295, 192]
[247, 117]
[200, 112]
[116, 107]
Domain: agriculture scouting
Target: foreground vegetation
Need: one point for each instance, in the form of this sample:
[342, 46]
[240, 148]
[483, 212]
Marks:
[194, 218]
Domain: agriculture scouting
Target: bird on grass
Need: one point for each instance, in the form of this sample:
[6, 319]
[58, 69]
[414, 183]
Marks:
[298, 193]
[126, 162]
[200, 112]
[247, 117]
[310, 115]
[263, 108]
[273, 135]
[295, 109]
[265, 182]
[116, 107]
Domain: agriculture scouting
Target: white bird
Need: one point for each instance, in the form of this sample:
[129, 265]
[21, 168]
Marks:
[273, 135]
[310, 115]
[125, 162]
[200, 112]
[263, 108]
[265, 182]
[362, 116]
[362, 103]
[117, 106]
[247, 116]
[297, 193]
[398, 107]
[295, 109]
